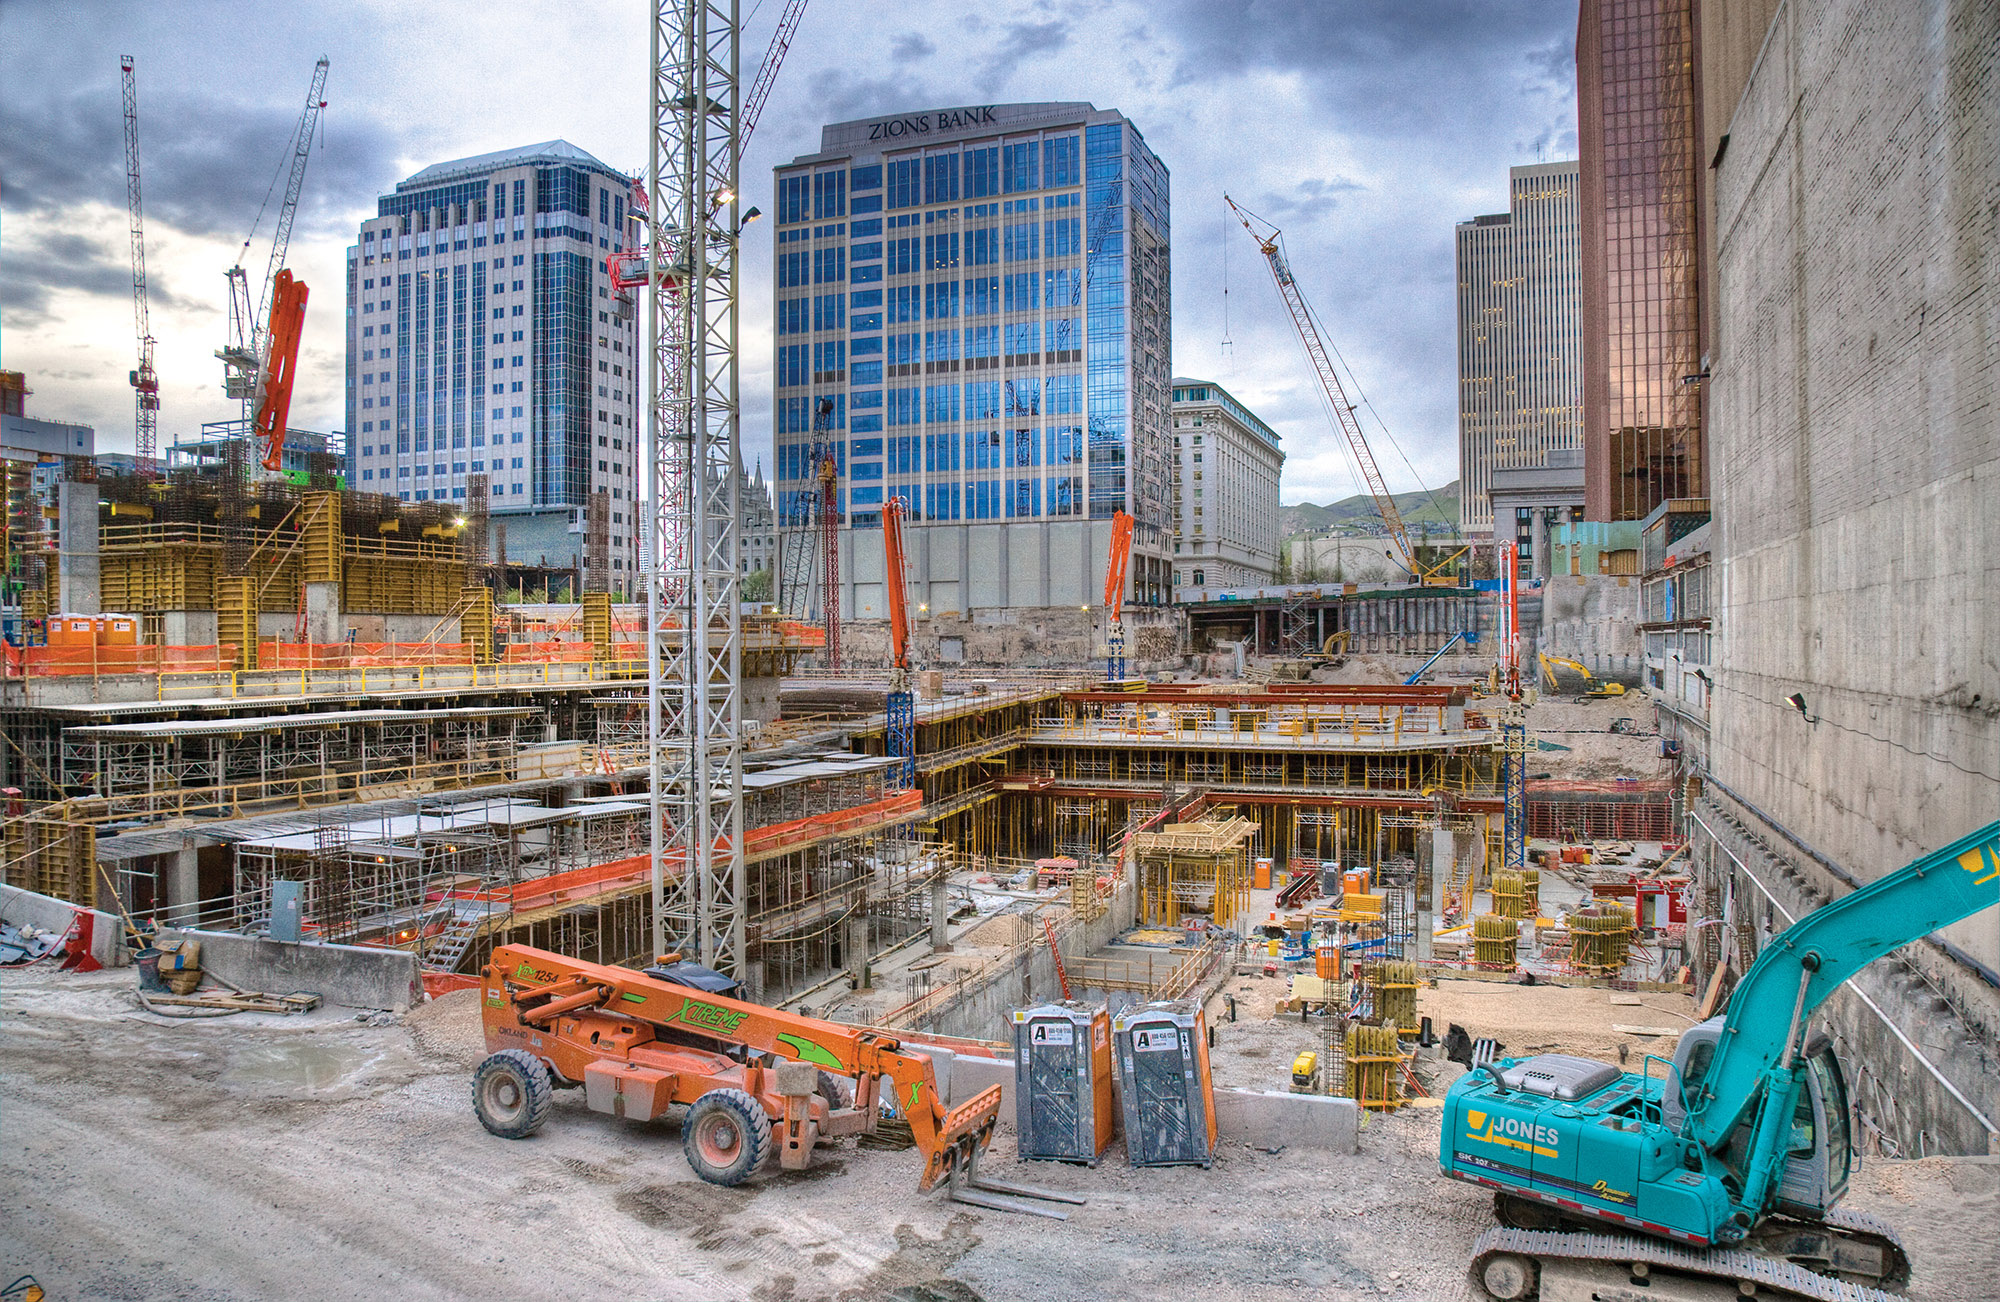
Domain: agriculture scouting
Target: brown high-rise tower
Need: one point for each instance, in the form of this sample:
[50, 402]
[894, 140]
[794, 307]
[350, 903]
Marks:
[1642, 204]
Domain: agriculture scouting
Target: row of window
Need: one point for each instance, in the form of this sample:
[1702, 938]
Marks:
[871, 309]
[940, 176]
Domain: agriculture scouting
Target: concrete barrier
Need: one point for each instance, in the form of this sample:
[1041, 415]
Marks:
[25, 908]
[351, 975]
[970, 1075]
[1266, 1119]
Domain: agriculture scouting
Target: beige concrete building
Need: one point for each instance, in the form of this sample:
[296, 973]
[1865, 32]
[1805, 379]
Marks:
[1520, 350]
[1225, 503]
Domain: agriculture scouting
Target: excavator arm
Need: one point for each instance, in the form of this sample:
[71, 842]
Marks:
[1758, 1055]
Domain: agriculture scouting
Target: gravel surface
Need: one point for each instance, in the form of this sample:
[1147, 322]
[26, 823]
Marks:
[256, 1157]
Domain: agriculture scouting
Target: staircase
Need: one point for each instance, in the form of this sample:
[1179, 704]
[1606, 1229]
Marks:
[446, 949]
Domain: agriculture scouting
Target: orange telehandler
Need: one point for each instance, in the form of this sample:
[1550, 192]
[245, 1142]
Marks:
[752, 1078]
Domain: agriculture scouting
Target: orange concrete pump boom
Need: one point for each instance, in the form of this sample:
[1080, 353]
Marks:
[1119, 561]
[894, 577]
[274, 408]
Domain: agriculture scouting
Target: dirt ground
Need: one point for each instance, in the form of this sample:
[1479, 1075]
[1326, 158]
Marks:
[254, 1157]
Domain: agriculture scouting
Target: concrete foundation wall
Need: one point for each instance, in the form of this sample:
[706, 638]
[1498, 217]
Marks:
[1856, 385]
[1060, 637]
[349, 975]
[985, 1014]
[77, 574]
[46, 913]
[1594, 619]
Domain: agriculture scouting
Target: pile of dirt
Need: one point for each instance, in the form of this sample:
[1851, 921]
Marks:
[447, 1031]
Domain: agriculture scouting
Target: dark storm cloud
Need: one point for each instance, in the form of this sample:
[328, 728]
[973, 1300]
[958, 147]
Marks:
[1019, 43]
[34, 267]
[207, 165]
[910, 46]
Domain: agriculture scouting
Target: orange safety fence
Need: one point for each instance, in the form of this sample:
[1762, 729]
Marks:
[803, 634]
[71, 661]
[516, 653]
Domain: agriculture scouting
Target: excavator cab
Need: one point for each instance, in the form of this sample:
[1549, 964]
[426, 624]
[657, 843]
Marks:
[1820, 1157]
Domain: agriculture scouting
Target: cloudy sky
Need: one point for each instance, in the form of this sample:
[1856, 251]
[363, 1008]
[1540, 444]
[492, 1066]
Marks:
[1364, 129]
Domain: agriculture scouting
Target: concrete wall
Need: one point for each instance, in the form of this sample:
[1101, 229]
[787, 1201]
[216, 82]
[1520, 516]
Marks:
[1594, 619]
[46, 913]
[1058, 637]
[957, 569]
[1856, 383]
[985, 1013]
[1856, 466]
[77, 578]
[350, 975]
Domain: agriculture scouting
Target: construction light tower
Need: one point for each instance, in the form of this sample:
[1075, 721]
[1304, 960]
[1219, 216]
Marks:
[693, 621]
[145, 383]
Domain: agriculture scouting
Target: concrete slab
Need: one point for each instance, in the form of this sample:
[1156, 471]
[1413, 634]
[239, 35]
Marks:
[350, 975]
[1267, 1119]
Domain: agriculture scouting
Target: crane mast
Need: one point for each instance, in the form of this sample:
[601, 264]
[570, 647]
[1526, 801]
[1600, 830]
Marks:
[1269, 244]
[145, 383]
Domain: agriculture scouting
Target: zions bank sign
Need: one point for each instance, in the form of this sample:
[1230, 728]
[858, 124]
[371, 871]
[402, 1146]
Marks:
[924, 124]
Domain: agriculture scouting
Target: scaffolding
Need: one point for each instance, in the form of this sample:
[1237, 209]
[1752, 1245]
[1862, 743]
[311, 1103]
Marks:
[1199, 868]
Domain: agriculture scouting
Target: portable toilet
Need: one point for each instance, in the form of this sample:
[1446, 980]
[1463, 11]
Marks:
[1163, 1073]
[1063, 1105]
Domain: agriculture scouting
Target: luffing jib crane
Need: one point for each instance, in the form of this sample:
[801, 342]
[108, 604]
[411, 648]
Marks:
[1722, 1169]
[1270, 243]
[899, 706]
[1114, 595]
[145, 383]
[247, 361]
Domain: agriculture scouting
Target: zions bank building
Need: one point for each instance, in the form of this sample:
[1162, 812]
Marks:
[982, 294]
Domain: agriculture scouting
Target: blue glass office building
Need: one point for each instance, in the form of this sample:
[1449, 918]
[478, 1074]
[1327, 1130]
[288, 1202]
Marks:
[983, 292]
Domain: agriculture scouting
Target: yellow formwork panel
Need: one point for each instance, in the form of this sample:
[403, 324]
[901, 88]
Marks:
[597, 624]
[475, 623]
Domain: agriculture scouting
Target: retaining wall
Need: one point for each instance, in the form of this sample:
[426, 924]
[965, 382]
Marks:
[25, 908]
[349, 975]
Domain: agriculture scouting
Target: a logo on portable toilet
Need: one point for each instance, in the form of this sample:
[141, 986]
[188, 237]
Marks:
[1156, 1039]
[1051, 1033]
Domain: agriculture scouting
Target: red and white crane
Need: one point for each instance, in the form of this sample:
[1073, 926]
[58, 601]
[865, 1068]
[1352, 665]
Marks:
[145, 382]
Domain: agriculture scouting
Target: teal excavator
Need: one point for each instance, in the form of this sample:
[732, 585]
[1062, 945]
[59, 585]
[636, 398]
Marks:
[1716, 1175]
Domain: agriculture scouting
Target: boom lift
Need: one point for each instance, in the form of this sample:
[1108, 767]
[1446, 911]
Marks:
[1114, 595]
[1269, 243]
[753, 1079]
[1725, 1168]
[900, 706]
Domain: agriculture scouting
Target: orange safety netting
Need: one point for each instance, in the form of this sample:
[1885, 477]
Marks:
[519, 653]
[69, 661]
[361, 655]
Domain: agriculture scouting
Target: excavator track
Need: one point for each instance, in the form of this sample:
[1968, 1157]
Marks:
[1861, 1225]
[1725, 1265]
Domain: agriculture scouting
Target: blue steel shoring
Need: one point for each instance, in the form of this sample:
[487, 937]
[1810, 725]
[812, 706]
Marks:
[902, 733]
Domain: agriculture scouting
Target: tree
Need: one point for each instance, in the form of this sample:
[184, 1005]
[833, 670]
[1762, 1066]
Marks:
[757, 585]
[1285, 561]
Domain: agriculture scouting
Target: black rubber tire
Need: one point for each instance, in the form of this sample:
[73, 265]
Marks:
[725, 1136]
[838, 1091]
[512, 1093]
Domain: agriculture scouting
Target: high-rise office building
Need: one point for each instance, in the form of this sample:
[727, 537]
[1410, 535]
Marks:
[983, 294]
[1520, 363]
[484, 337]
[1640, 189]
[1227, 465]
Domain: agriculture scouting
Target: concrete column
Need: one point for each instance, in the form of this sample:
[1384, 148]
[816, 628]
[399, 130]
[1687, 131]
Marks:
[184, 885]
[857, 953]
[77, 578]
[940, 908]
[1539, 541]
[324, 624]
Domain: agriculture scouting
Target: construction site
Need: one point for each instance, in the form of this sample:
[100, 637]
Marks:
[383, 906]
